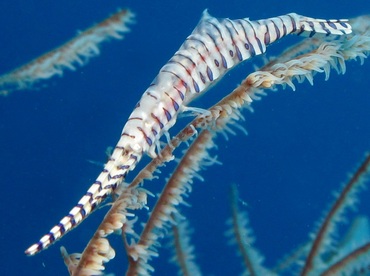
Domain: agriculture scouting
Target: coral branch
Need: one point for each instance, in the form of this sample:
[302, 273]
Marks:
[346, 199]
[77, 51]
[242, 236]
[184, 251]
[172, 195]
[99, 251]
[355, 263]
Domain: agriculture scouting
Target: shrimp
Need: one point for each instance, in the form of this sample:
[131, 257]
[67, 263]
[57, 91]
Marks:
[214, 47]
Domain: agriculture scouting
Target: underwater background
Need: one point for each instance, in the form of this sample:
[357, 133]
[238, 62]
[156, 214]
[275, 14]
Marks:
[300, 145]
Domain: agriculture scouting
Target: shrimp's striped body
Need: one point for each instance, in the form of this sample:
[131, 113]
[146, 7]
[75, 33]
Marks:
[215, 46]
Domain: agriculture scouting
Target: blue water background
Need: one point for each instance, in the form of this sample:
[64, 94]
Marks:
[300, 147]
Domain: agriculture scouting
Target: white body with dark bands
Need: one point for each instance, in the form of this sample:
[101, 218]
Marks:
[215, 46]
